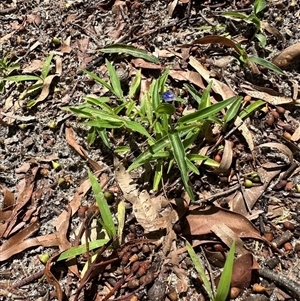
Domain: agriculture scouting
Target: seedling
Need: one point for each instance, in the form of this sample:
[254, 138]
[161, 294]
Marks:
[221, 293]
[6, 68]
[169, 140]
[253, 18]
[41, 85]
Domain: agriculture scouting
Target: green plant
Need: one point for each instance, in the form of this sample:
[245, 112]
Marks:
[239, 52]
[221, 293]
[253, 18]
[166, 138]
[105, 220]
[42, 82]
[6, 68]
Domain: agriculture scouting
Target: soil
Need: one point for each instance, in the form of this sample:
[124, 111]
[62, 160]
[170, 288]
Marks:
[45, 156]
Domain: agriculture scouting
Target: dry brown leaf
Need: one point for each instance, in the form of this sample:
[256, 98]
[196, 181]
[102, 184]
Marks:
[186, 75]
[200, 222]
[269, 98]
[148, 211]
[252, 194]
[8, 199]
[242, 127]
[70, 137]
[46, 88]
[217, 86]
[80, 193]
[33, 66]
[140, 63]
[287, 57]
[272, 30]
[22, 200]
[296, 135]
[242, 271]
[228, 237]
[49, 240]
[281, 148]
[227, 156]
[51, 278]
[171, 8]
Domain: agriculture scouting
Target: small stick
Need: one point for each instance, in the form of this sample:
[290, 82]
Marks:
[287, 283]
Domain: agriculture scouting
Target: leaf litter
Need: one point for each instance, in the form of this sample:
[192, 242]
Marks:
[155, 213]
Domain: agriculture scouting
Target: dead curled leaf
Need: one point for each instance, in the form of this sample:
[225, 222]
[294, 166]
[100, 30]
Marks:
[287, 57]
[70, 137]
[200, 222]
[51, 278]
[148, 210]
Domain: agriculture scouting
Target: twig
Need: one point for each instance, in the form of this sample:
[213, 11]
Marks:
[242, 187]
[29, 279]
[287, 283]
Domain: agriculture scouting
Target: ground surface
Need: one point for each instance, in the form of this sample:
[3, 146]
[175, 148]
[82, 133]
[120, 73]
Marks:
[44, 206]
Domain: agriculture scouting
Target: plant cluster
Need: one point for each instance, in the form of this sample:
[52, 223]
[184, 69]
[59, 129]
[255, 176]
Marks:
[169, 139]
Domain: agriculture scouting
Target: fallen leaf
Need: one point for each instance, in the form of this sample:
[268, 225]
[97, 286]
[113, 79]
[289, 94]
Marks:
[269, 98]
[228, 237]
[237, 203]
[281, 148]
[186, 75]
[200, 222]
[242, 271]
[70, 137]
[140, 63]
[227, 156]
[218, 87]
[46, 88]
[21, 201]
[147, 210]
[287, 57]
[33, 66]
[49, 240]
[51, 278]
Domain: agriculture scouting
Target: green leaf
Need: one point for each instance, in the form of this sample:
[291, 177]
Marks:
[22, 78]
[199, 268]
[233, 110]
[99, 123]
[259, 5]
[192, 167]
[137, 127]
[158, 174]
[224, 284]
[205, 99]
[105, 213]
[99, 80]
[103, 135]
[262, 62]
[235, 15]
[147, 154]
[206, 160]
[262, 39]
[165, 108]
[131, 50]
[114, 80]
[180, 158]
[135, 85]
[91, 137]
[207, 112]
[98, 101]
[162, 81]
[251, 108]
[195, 94]
[46, 66]
[155, 94]
[75, 251]
[122, 149]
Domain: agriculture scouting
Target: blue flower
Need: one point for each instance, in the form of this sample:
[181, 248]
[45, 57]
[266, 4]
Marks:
[168, 96]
